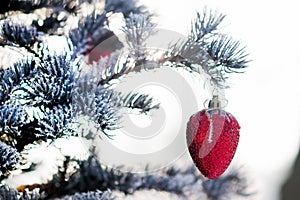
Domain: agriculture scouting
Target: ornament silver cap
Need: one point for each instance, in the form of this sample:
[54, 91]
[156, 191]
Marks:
[214, 103]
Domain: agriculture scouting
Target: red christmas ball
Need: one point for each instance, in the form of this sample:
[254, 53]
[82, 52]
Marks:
[212, 138]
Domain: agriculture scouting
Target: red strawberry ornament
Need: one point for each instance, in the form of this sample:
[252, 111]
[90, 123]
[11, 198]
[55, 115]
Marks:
[212, 138]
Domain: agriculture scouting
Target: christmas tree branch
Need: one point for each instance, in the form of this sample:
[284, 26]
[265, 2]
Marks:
[139, 101]
[52, 82]
[205, 25]
[100, 104]
[28, 6]
[9, 159]
[137, 30]
[12, 118]
[208, 50]
[226, 52]
[18, 34]
[90, 32]
[91, 175]
[127, 7]
[13, 76]
[111, 68]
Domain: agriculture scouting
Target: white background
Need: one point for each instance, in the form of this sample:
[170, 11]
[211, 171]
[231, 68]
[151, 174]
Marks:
[266, 98]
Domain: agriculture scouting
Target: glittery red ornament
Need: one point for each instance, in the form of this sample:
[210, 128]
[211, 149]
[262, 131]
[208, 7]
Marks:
[212, 138]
